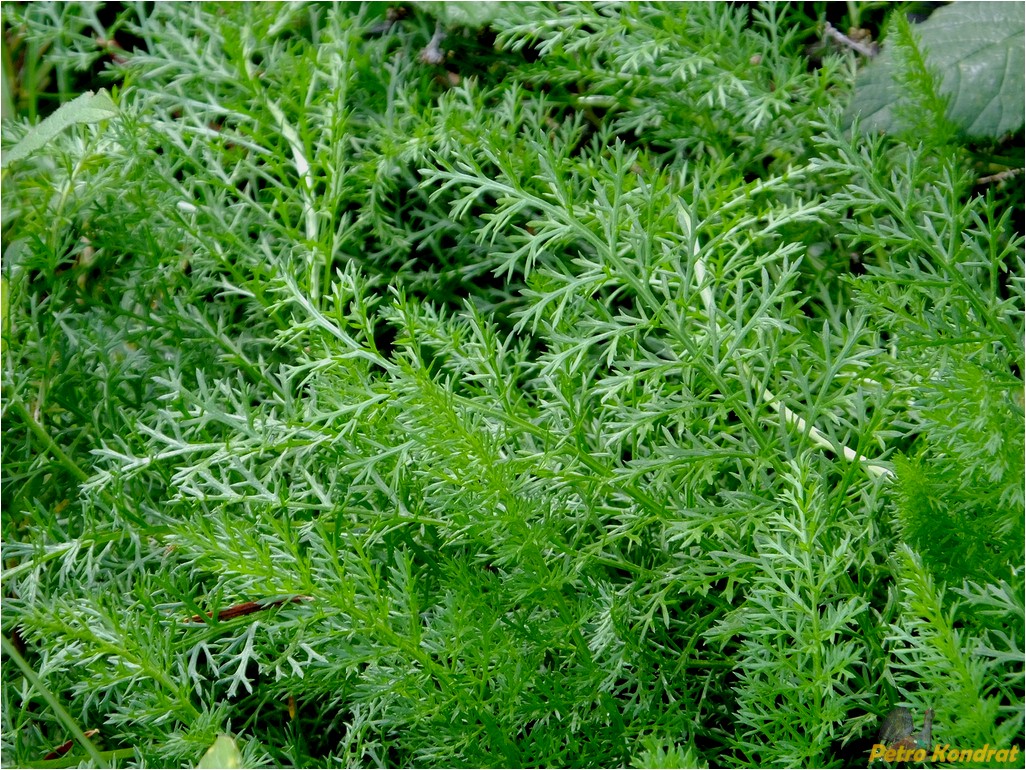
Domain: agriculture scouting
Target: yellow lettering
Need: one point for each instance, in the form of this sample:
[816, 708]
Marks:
[877, 752]
[979, 754]
[919, 756]
[1013, 754]
[965, 755]
[939, 752]
[1002, 755]
[990, 754]
[889, 756]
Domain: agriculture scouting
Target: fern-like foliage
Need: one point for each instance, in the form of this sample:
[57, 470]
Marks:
[514, 410]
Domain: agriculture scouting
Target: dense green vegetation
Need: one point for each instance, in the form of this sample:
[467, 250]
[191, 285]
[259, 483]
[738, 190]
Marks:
[574, 390]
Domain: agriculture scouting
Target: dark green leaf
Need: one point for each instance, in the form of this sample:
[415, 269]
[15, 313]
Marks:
[977, 51]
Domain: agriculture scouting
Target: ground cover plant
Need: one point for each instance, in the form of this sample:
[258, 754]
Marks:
[556, 385]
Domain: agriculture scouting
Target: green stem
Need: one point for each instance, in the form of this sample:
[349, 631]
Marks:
[70, 465]
[111, 757]
[58, 709]
[51, 446]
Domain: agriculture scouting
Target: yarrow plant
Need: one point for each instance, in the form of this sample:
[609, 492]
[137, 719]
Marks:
[533, 386]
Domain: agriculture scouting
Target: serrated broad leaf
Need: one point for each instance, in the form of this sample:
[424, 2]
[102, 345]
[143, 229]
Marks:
[90, 107]
[977, 50]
